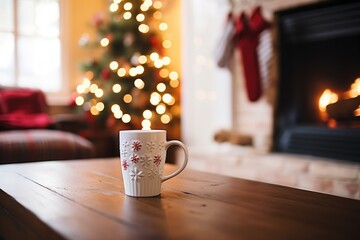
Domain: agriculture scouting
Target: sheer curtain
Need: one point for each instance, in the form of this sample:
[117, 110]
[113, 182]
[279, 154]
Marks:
[206, 88]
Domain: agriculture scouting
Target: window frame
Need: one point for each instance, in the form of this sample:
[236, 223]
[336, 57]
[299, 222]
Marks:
[60, 97]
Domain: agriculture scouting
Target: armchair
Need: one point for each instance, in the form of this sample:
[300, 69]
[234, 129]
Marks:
[28, 133]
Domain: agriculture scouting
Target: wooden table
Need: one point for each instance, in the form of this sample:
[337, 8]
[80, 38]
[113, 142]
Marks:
[85, 199]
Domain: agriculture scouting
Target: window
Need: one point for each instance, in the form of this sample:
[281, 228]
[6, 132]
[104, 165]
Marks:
[30, 46]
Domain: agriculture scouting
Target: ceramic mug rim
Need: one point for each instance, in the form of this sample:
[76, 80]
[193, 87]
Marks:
[142, 131]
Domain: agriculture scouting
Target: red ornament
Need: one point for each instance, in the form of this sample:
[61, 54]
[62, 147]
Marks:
[106, 74]
[98, 19]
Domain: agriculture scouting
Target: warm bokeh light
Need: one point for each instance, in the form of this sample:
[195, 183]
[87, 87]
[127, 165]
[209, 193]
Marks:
[121, 72]
[126, 118]
[163, 26]
[142, 59]
[127, 98]
[116, 88]
[155, 98]
[127, 15]
[140, 17]
[79, 100]
[128, 6]
[113, 65]
[161, 87]
[99, 93]
[147, 114]
[143, 28]
[139, 83]
[113, 7]
[104, 42]
[167, 44]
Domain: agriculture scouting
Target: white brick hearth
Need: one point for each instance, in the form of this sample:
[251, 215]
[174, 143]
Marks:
[304, 172]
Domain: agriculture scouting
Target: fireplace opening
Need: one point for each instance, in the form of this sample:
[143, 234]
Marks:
[318, 105]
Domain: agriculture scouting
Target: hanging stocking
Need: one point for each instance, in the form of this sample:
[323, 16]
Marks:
[225, 46]
[247, 42]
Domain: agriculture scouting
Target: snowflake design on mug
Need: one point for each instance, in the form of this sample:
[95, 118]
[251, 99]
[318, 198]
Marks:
[153, 172]
[136, 145]
[125, 164]
[157, 159]
[145, 161]
[161, 145]
[134, 158]
[123, 150]
[150, 146]
[135, 174]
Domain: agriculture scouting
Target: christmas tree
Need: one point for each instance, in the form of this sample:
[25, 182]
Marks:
[129, 82]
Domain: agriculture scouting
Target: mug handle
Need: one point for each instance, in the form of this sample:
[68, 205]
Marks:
[185, 161]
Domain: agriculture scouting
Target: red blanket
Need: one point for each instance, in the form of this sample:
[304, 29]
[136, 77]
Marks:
[23, 109]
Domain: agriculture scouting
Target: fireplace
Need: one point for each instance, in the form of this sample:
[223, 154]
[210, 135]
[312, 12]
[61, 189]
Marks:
[318, 69]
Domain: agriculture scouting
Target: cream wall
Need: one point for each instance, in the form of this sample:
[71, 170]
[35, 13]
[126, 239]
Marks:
[78, 20]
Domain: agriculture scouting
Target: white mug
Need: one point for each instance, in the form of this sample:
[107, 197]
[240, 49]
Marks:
[142, 156]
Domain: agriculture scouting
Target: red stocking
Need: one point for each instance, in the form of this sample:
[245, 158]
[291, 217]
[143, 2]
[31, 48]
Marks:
[247, 42]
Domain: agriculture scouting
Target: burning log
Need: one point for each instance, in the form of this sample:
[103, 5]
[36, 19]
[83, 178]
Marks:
[343, 109]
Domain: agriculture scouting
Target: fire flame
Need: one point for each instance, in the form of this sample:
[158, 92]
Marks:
[327, 98]
[354, 89]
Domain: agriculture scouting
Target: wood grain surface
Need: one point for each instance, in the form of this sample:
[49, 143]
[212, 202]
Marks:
[85, 199]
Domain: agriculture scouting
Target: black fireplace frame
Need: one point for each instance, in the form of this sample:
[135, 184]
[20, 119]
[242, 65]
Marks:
[296, 129]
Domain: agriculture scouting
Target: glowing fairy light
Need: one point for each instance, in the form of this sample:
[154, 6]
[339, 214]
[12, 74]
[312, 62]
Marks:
[167, 44]
[132, 72]
[166, 60]
[127, 98]
[158, 63]
[79, 100]
[157, 15]
[99, 92]
[174, 83]
[128, 6]
[167, 98]
[155, 98]
[161, 87]
[115, 108]
[116, 88]
[100, 106]
[173, 75]
[113, 7]
[94, 111]
[147, 114]
[142, 59]
[113, 65]
[127, 15]
[118, 114]
[154, 56]
[164, 73]
[80, 89]
[93, 87]
[166, 118]
[157, 4]
[104, 42]
[140, 17]
[139, 83]
[143, 28]
[146, 124]
[126, 118]
[140, 69]
[121, 72]
[163, 26]
[161, 108]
